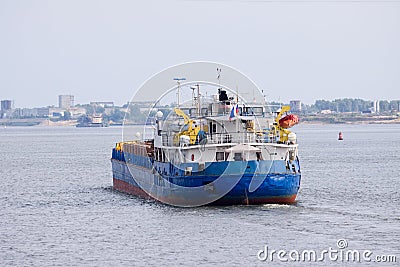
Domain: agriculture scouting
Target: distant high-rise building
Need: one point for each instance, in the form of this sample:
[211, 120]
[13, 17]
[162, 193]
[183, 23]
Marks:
[295, 105]
[6, 105]
[65, 101]
[376, 107]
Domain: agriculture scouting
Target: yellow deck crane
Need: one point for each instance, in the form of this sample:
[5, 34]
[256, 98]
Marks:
[279, 130]
[189, 129]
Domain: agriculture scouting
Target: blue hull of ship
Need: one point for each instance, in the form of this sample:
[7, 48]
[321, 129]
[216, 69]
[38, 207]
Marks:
[275, 181]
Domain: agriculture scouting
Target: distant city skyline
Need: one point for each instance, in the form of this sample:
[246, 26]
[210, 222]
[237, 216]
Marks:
[55, 102]
[104, 51]
[68, 101]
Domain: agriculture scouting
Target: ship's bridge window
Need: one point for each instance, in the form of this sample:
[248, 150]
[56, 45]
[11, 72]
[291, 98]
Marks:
[238, 157]
[213, 127]
[258, 110]
[220, 156]
[253, 110]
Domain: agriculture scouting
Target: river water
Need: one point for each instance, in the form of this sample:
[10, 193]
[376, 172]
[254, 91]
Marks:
[57, 207]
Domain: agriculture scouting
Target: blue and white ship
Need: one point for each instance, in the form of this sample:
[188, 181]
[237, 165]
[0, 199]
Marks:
[217, 152]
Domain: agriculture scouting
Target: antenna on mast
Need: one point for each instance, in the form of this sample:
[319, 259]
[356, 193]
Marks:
[219, 75]
[237, 94]
[198, 100]
[178, 80]
[264, 96]
[193, 95]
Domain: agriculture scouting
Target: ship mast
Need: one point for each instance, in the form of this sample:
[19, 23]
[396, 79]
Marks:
[219, 75]
[198, 100]
[178, 80]
[193, 95]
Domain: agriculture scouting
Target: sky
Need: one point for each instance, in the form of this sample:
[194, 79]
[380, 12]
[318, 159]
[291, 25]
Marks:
[104, 50]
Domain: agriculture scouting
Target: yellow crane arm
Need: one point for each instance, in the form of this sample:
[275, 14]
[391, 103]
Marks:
[283, 133]
[192, 129]
[179, 112]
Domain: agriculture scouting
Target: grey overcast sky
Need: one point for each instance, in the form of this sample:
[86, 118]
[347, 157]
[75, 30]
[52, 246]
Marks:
[103, 50]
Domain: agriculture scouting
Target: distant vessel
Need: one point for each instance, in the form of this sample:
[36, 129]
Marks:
[188, 153]
[96, 120]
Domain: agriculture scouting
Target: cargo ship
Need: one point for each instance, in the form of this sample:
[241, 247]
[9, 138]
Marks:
[221, 151]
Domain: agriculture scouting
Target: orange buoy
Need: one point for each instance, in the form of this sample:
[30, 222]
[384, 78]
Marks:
[340, 136]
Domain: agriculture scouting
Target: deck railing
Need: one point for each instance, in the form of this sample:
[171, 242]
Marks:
[222, 138]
